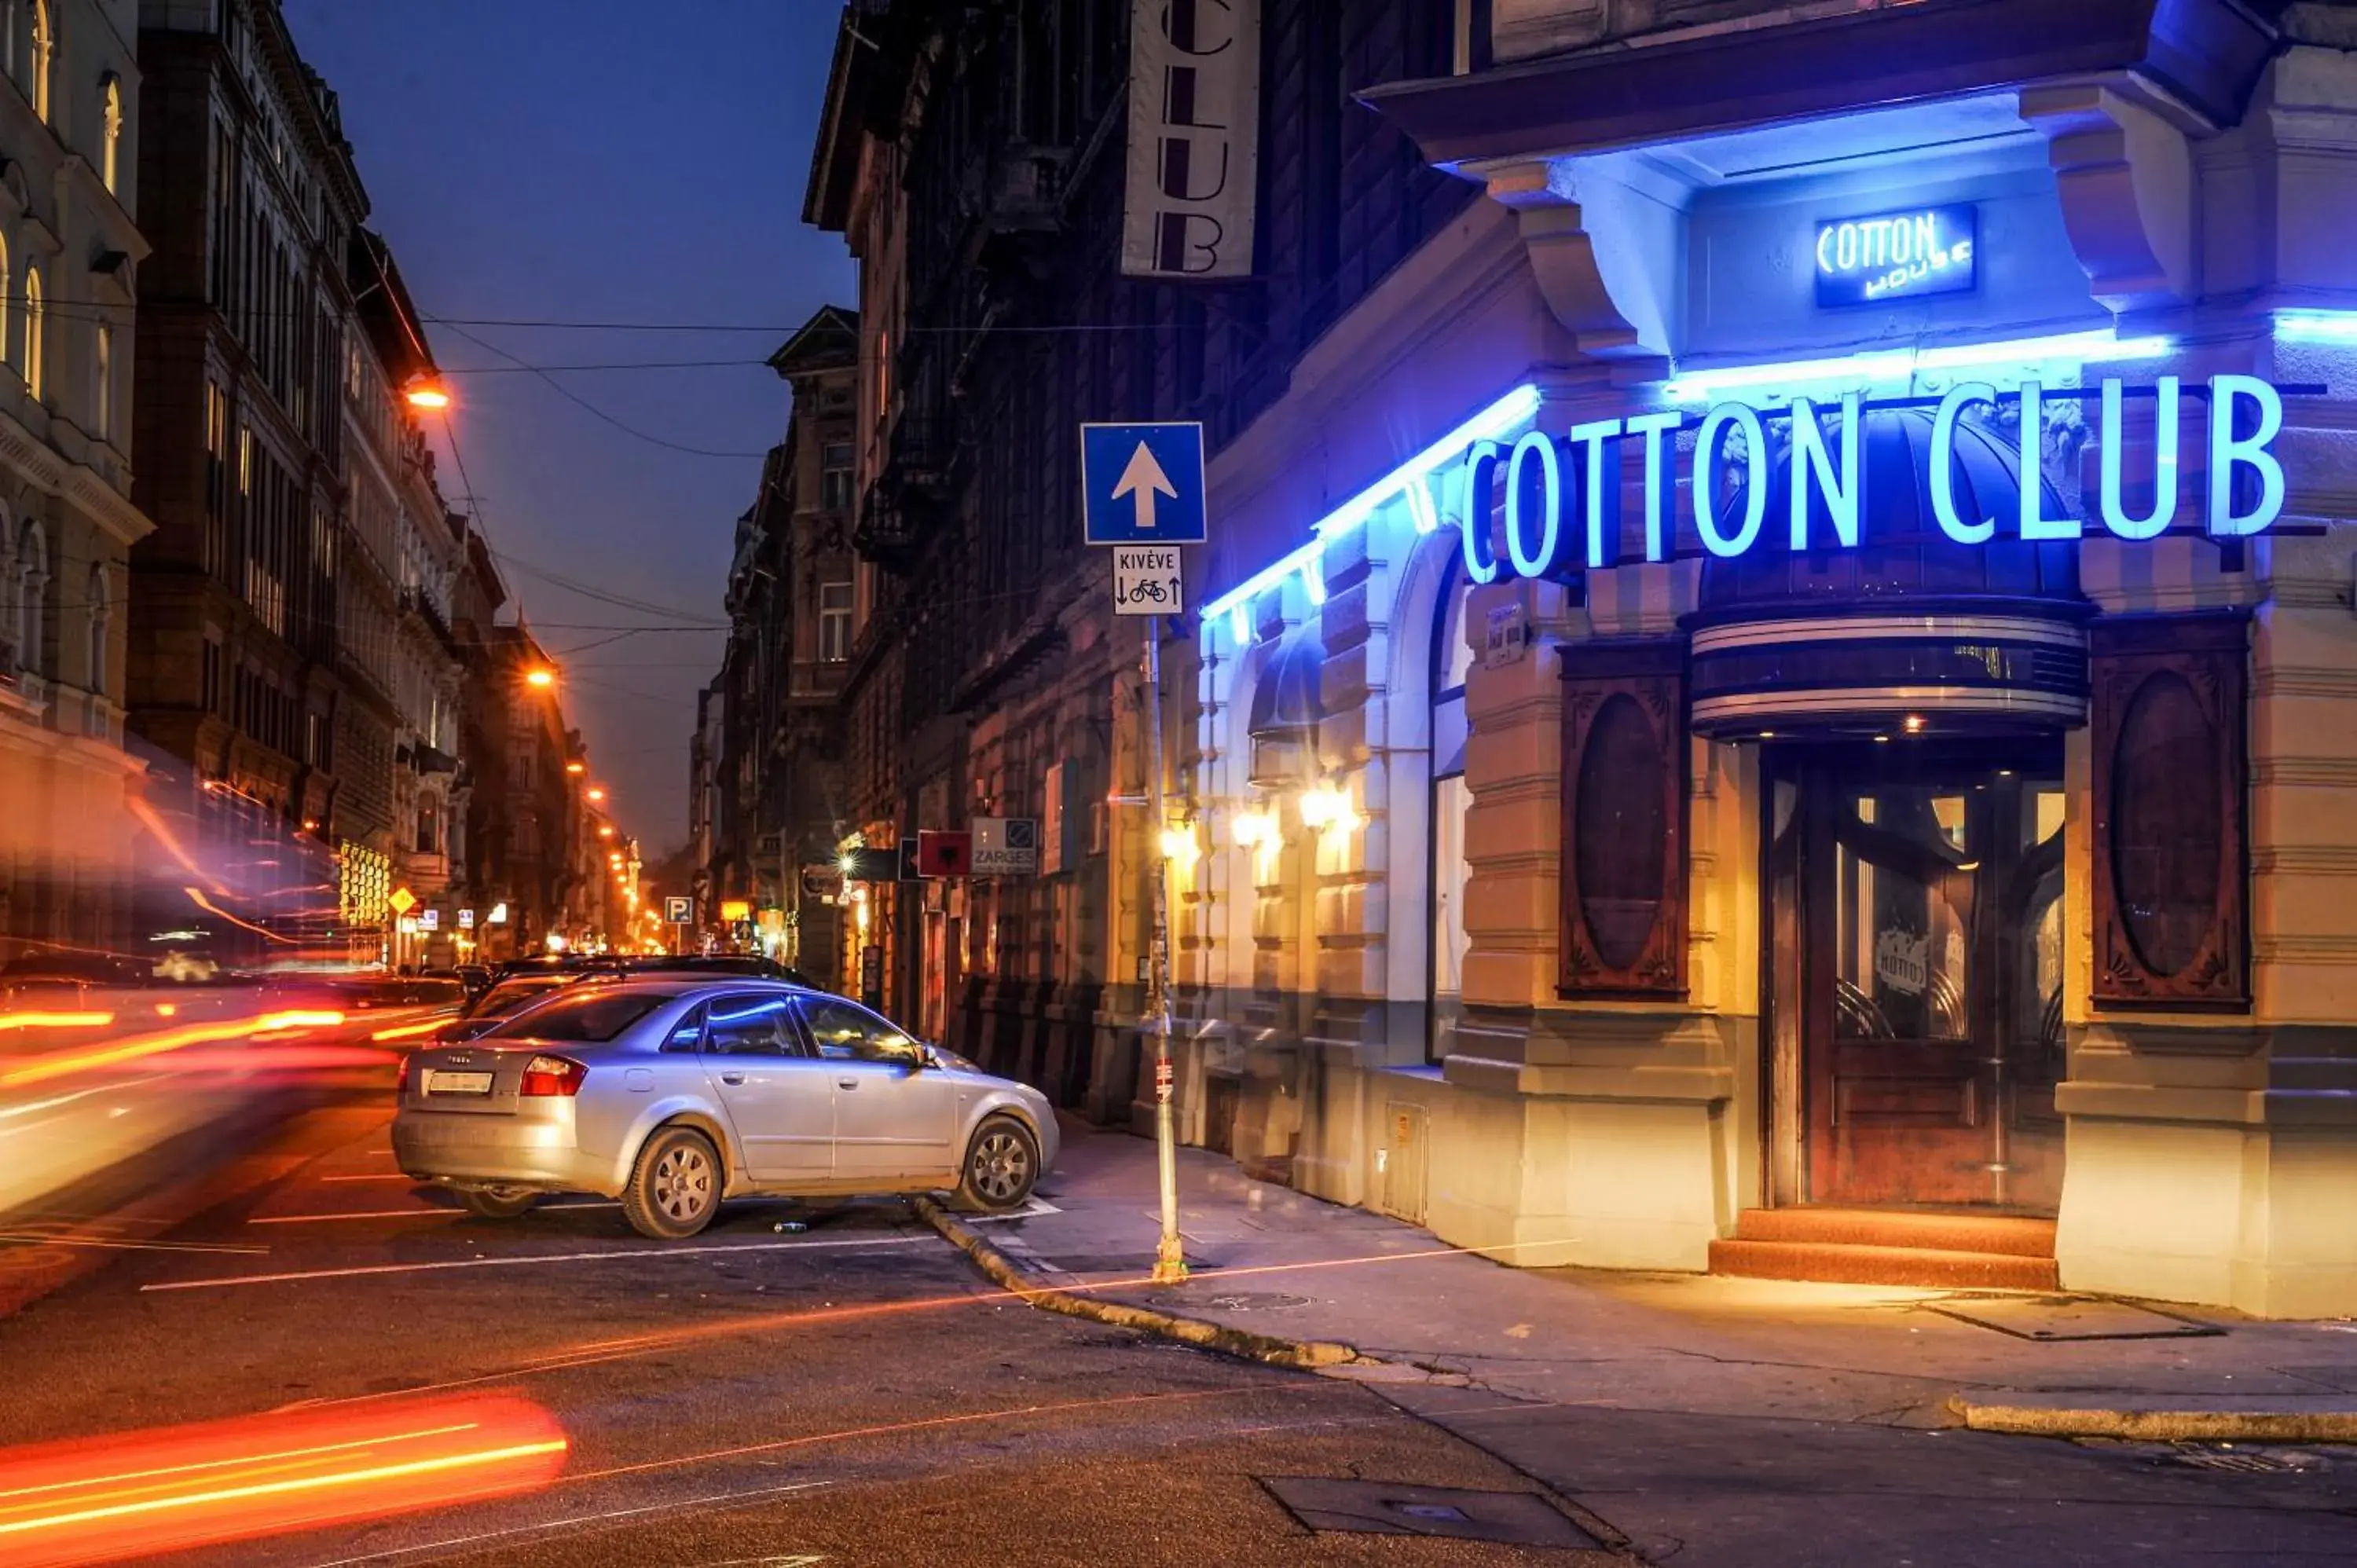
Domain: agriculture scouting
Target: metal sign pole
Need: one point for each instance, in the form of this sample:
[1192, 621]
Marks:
[1170, 1258]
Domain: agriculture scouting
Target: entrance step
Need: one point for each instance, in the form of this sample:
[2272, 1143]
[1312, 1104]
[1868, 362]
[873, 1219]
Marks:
[1891, 1247]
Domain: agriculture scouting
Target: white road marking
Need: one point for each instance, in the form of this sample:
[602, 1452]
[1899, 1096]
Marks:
[396, 1176]
[724, 1498]
[633, 1253]
[408, 1214]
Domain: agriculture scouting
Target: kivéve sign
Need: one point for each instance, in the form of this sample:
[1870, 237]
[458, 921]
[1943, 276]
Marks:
[1563, 493]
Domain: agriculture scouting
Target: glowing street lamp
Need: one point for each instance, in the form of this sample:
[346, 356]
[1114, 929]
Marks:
[576, 767]
[424, 392]
[596, 795]
[540, 679]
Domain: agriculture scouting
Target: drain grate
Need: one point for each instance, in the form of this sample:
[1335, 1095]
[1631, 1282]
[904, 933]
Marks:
[2248, 1461]
[2058, 1317]
[1231, 1300]
[1386, 1508]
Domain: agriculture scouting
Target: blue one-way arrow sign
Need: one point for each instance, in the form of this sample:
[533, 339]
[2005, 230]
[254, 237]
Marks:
[1142, 483]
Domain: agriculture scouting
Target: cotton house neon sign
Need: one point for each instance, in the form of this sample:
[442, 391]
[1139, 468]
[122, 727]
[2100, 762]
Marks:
[1562, 493]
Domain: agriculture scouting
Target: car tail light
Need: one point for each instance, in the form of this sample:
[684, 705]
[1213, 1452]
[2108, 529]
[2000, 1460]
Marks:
[553, 1075]
[401, 1077]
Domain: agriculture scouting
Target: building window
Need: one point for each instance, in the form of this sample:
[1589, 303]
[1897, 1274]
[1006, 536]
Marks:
[2167, 736]
[8, 596]
[33, 331]
[834, 476]
[208, 693]
[8, 308]
[1624, 810]
[32, 593]
[44, 45]
[110, 162]
[429, 828]
[216, 553]
[102, 618]
[835, 622]
[102, 391]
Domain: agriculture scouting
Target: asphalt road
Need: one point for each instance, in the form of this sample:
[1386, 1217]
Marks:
[853, 1393]
[849, 1394]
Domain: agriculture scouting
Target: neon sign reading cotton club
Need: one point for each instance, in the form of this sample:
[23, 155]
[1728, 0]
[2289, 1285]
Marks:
[1563, 493]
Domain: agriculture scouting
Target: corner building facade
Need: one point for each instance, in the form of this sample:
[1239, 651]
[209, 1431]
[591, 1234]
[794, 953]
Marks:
[1679, 844]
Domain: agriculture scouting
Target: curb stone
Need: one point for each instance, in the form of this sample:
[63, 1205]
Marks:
[2289, 1419]
[1308, 1355]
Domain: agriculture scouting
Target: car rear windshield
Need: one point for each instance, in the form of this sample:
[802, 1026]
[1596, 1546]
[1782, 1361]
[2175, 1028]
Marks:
[591, 1017]
[509, 994]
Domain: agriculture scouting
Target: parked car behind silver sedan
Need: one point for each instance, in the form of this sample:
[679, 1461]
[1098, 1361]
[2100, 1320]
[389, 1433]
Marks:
[673, 1094]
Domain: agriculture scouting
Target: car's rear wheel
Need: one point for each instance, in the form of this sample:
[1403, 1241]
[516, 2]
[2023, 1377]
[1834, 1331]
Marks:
[1002, 1165]
[496, 1202]
[674, 1189]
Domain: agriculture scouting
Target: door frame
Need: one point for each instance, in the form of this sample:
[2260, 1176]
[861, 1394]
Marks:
[1788, 1002]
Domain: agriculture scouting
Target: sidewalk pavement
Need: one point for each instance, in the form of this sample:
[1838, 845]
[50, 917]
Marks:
[1284, 1277]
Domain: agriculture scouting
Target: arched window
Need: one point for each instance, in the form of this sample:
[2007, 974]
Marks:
[1451, 659]
[102, 392]
[102, 620]
[8, 596]
[44, 45]
[34, 359]
[7, 311]
[110, 160]
[32, 591]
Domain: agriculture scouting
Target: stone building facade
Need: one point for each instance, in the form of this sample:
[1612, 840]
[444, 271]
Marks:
[1913, 863]
[70, 255]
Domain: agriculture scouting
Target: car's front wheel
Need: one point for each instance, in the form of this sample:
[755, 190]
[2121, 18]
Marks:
[1002, 1165]
[496, 1202]
[675, 1187]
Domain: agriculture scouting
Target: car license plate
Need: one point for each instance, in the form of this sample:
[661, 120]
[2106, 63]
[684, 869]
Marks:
[457, 1082]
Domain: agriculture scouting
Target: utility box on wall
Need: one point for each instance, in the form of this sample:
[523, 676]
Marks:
[1402, 1161]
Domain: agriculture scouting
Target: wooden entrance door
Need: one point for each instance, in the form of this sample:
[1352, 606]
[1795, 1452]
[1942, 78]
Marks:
[1921, 897]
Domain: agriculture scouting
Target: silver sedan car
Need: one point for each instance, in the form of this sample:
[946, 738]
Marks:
[673, 1095]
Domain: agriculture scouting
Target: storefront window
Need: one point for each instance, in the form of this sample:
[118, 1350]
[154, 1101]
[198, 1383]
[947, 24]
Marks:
[1451, 661]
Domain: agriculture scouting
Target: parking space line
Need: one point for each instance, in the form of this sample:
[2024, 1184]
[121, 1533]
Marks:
[411, 1213]
[634, 1253]
[391, 1176]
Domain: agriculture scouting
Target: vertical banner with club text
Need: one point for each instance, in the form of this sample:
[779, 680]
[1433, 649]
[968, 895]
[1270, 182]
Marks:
[1194, 139]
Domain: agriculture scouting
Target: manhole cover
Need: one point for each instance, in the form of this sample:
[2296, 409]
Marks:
[1229, 1301]
[2055, 1317]
[1385, 1508]
[2249, 1461]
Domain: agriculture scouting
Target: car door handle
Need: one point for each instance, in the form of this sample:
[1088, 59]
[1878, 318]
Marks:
[732, 1077]
[846, 1083]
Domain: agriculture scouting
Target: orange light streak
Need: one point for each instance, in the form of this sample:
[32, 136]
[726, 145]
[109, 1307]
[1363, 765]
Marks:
[133, 1494]
[210, 907]
[163, 835]
[59, 1063]
[55, 1020]
[409, 1031]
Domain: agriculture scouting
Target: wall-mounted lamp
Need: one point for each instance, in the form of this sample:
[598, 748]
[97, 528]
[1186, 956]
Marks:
[1255, 828]
[1178, 844]
[1325, 806]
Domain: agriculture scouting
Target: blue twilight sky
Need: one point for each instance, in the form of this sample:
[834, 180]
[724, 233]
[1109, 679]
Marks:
[607, 161]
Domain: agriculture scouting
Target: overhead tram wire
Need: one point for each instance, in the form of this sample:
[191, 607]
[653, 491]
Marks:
[578, 401]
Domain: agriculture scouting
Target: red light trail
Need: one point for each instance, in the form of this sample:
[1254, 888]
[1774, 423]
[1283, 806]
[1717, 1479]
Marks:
[132, 1494]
